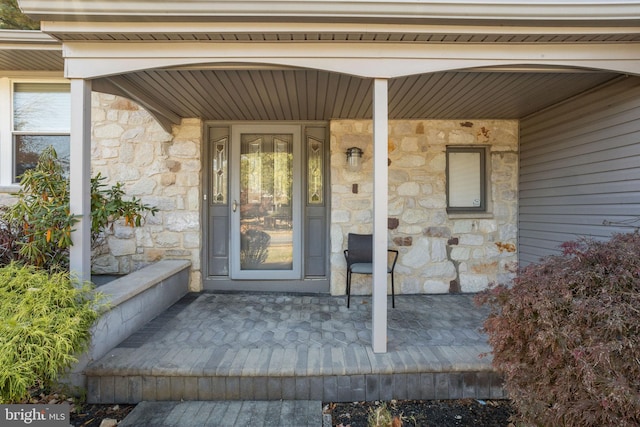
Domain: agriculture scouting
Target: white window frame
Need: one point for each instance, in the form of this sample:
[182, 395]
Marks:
[7, 154]
[484, 179]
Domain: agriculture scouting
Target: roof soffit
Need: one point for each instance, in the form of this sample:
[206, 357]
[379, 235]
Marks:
[255, 32]
[539, 12]
[24, 52]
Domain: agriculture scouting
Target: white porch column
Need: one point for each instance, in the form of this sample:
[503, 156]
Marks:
[380, 201]
[80, 177]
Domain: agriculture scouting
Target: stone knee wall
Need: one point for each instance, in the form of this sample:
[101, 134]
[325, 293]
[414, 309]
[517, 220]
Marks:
[439, 252]
[162, 169]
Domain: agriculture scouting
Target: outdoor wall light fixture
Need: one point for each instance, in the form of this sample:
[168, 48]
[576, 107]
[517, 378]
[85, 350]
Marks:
[354, 159]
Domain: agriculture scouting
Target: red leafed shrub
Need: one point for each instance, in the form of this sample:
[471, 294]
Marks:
[566, 335]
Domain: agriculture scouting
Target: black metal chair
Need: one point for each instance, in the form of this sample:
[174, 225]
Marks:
[359, 256]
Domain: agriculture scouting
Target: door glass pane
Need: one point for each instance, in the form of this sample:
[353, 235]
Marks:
[266, 183]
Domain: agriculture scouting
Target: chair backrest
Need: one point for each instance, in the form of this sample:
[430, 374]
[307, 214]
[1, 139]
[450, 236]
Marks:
[360, 248]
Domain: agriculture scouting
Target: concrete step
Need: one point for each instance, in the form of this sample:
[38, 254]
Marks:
[226, 413]
[328, 388]
[128, 375]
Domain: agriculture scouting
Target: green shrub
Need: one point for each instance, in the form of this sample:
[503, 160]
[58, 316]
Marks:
[45, 323]
[36, 230]
[108, 206]
[566, 335]
[40, 217]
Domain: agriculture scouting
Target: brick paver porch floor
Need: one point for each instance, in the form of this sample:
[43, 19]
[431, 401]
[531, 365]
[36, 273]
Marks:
[217, 346]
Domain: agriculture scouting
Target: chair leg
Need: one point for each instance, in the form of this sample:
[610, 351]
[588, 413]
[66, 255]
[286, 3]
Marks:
[393, 293]
[348, 288]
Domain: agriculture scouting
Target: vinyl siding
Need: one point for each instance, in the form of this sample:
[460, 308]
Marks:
[580, 169]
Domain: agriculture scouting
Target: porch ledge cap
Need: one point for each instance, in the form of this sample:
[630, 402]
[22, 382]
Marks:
[135, 283]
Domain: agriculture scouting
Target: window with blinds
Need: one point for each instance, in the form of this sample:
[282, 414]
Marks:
[41, 117]
[466, 179]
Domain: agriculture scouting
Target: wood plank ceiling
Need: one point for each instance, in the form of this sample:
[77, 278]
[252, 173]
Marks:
[319, 95]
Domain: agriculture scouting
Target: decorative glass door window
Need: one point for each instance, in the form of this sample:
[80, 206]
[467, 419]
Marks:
[315, 167]
[219, 171]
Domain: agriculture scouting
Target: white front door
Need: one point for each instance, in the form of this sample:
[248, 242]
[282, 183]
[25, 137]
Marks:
[266, 203]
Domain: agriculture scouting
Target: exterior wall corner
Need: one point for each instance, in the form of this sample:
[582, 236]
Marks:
[161, 169]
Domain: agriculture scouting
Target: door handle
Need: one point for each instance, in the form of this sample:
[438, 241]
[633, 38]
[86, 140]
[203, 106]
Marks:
[234, 206]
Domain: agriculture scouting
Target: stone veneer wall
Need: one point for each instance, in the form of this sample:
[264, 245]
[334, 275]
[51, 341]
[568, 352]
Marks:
[162, 169]
[6, 196]
[439, 253]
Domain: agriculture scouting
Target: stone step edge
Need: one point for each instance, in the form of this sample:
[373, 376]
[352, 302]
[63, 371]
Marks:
[186, 372]
[334, 388]
[231, 363]
[195, 413]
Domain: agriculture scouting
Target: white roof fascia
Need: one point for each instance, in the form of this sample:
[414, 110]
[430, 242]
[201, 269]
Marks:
[310, 27]
[464, 11]
[28, 39]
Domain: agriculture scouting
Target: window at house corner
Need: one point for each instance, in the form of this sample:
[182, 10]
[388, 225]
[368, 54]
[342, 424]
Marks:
[466, 180]
[41, 117]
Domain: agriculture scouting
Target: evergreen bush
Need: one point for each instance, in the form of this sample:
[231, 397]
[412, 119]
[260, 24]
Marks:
[46, 321]
[566, 335]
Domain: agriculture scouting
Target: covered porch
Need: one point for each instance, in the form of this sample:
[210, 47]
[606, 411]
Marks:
[396, 64]
[223, 346]
[275, 81]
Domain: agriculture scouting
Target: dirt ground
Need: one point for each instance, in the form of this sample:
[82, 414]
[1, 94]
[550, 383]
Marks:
[425, 413]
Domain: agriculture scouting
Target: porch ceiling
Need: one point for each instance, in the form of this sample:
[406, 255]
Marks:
[318, 95]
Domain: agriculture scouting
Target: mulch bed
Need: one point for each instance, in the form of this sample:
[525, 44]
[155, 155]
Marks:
[92, 415]
[424, 413]
[82, 414]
